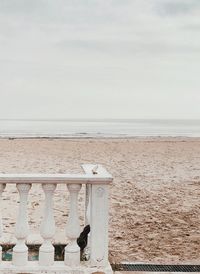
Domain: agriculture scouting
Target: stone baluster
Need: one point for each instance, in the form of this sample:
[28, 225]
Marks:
[46, 252]
[2, 187]
[20, 251]
[72, 250]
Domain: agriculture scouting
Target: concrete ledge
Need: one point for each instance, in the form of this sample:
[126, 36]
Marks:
[58, 267]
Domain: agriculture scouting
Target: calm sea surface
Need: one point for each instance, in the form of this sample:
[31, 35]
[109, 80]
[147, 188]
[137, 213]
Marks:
[99, 128]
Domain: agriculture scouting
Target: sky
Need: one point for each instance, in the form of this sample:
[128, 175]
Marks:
[98, 59]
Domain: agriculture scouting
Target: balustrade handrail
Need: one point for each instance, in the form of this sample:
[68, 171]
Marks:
[100, 176]
[54, 178]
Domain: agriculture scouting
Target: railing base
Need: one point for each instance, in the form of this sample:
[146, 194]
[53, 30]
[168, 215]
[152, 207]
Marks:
[57, 268]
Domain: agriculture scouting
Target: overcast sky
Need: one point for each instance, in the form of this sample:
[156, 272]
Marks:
[99, 59]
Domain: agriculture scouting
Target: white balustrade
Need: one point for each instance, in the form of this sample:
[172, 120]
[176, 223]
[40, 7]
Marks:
[46, 252]
[97, 182]
[20, 251]
[72, 250]
[2, 187]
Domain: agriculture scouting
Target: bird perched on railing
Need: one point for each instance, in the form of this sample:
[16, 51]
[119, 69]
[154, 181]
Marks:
[83, 238]
[95, 169]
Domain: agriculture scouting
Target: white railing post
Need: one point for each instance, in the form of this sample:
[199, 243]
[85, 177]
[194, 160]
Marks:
[87, 204]
[2, 187]
[99, 225]
[72, 250]
[20, 250]
[88, 191]
[87, 218]
[98, 217]
[46, 252]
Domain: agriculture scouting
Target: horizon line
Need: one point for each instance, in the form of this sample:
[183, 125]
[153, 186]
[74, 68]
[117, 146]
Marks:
[97, 119]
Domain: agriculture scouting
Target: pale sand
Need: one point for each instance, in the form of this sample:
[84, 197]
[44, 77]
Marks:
[155, 196]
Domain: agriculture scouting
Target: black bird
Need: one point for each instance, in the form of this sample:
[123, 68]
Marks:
[83, 238]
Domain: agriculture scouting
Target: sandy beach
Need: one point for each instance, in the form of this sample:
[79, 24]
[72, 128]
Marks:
[154, 199]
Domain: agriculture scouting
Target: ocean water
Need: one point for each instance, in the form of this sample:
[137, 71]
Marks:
[99, 128]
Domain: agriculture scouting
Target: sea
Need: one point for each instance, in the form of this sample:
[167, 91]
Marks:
[115, 128]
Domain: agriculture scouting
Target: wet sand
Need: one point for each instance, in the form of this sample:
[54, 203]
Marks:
[154, 199]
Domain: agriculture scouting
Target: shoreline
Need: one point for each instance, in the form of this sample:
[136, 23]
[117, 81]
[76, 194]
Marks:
[65, 129]
[75, 137]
